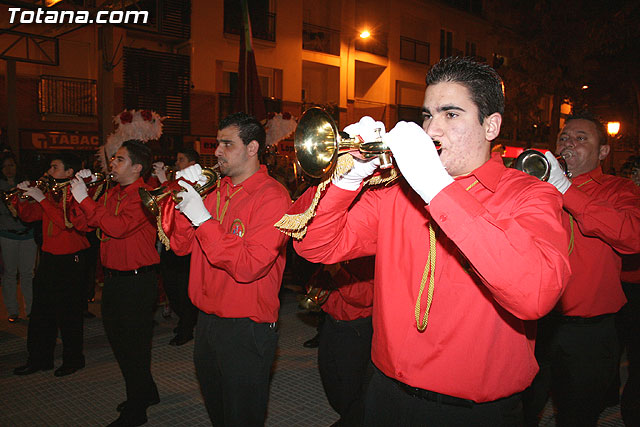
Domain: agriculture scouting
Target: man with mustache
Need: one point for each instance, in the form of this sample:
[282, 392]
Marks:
[578, 347]
[237, 262]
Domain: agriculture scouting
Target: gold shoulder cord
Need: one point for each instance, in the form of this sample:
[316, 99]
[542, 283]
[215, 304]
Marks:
[572, 237]
[429, 272]
[98, 230]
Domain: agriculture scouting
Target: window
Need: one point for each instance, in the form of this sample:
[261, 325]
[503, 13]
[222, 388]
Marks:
[67, 96]
[161, 82]
[414, 50]
[470, 49]
[446, 43]
[263, 20]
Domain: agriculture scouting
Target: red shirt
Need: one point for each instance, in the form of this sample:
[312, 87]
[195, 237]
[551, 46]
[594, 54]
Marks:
[57, 238]
[128, 230]
[353, 296]
[237, 263]
[501, 260]
[606, 213]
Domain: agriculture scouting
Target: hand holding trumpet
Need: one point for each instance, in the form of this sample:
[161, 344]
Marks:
[34, 192]
[78, 186]
[192, 205]
[417, 159]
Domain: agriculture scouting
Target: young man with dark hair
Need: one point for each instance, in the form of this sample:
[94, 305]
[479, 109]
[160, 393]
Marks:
[58, 289]
[237, 262]
[129, 259]
[483, 253]
[578, 349]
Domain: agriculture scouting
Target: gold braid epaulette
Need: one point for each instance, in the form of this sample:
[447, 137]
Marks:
[295, 225]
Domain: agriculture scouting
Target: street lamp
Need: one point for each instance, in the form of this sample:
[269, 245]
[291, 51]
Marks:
[612, 129]
[364, 34]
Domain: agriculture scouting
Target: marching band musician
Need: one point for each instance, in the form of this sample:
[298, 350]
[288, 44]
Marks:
[237, 263]
[468, 254]
[58, 288]
[344, 351]
[129, 258]
[578, 350]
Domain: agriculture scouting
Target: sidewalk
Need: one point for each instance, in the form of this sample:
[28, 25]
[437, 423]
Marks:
[89, 397]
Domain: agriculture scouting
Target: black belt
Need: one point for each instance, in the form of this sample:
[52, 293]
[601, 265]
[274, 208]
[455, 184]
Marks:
[432, 396]
[582, 320]
[119, 273]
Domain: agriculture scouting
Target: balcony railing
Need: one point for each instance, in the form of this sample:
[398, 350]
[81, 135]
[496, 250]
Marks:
[67, 96]
[375, 44]
[262, 27]
[320, 39]
[414, 50]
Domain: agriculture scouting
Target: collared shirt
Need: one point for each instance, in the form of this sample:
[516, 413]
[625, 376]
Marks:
[352, 297]
[128, 231]
[501, 260]
[57, 237]
[238, 256]
[606, 214]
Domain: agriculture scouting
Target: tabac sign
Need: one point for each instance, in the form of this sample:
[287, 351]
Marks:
[59, 140]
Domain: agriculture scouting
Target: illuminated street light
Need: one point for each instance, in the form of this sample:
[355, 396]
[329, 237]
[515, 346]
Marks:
[613, 128]
[585, 87]
[365, 34]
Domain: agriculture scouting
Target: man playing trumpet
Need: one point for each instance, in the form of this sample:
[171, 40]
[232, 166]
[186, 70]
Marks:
[468, 253]
[58, 287]
[129, 257]
[237, 262]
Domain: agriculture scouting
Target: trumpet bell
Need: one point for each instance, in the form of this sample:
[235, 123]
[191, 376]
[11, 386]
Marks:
[534, 163]
[316, 142]
[151, 198]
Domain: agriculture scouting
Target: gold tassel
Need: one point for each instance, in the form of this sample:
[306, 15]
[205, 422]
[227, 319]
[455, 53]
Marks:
[161, 234]
[296, 225]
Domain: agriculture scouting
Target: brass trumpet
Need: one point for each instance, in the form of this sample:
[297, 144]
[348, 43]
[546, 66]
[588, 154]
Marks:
[152, 199]
[534, 163]
[44, 183]
[314, 298]
[318, 144]
[100, 178]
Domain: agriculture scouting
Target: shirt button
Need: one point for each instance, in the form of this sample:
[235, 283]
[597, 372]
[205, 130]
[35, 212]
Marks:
[443, 218]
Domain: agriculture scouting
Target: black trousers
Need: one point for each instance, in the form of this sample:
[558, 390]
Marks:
[344, 361]
[579, 361]
[175, 279]
[58, 302]
[388, 404]
[233, 359]
[128, 303]
[629, 329]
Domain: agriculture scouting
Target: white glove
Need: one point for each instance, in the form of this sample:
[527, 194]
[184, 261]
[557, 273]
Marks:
[418, 159]
[193, 174]
[85, 173]
[366, 128]
[159, 172]
[361, 169]
[35, 193]
[557, 176]
[192, 205]
[24, 185]
[79, 189]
